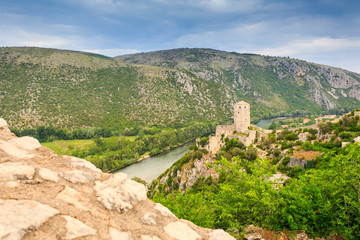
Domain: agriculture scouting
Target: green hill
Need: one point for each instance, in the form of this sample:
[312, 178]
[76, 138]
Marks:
[271, 84]
[73, 89]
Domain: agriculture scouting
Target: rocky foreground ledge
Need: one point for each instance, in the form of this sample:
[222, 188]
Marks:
[47, 196]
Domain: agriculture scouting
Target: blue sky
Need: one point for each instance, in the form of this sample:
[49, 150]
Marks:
[321, 31]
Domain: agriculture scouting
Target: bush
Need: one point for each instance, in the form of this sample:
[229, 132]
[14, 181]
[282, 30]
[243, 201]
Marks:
[197, 155]
[251, 154]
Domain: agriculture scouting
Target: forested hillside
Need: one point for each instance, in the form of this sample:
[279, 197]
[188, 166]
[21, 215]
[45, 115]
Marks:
[272, 85]
[42, 87]
[72, 89]
[300, 179]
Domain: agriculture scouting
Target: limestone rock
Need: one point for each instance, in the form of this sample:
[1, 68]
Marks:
[118, 192]
[21, 216]
[147, 237]
[163, 210]
[149, 219]
[73, 197]
[78, 162]
[252, 233]
[12, 171]
[296, 161]
[181, 231]
[48, 175]
[27, 143]
[79, 176]
[278, 178]
[301, 235]
[76, 228]
[357, 139]
[13, 150]
[12, 184]
[117, 235]
[3, 124]
[253, 236]
[220, 234]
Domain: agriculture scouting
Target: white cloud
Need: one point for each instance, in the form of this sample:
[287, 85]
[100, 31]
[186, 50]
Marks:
[239, 6]
[14, 36]
[313, 45]
[113, 52]
[242, 35]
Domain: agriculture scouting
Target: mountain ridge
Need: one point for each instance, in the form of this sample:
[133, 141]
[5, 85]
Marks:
[72, 89]
[229, 68]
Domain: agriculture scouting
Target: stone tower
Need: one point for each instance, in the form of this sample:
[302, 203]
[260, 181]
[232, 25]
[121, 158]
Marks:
[241, 116]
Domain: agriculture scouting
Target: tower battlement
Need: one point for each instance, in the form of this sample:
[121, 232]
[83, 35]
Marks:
[241, 116]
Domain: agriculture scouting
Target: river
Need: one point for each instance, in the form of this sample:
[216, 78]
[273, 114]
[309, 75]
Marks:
[150, 168]
[265, 123]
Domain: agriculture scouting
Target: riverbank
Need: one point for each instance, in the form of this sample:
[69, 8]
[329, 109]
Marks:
[150, 168]
[149, 156]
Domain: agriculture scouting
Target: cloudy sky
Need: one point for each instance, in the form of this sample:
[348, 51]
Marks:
[321, 31]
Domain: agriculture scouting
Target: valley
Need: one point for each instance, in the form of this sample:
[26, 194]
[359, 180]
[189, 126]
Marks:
[300, 174]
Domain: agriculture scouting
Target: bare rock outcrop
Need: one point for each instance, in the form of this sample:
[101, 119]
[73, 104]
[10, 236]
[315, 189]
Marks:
[21, 216]
[48, 196]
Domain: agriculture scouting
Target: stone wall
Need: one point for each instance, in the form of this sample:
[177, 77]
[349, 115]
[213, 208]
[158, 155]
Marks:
[297, 161]
[214, 144]
[47, 196]
[241, 116]
[224, 129]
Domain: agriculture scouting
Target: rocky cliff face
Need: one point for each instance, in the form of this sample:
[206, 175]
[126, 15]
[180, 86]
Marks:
[254, 76]
[48, 196]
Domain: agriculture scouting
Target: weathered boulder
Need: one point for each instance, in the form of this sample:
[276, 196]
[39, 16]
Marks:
[149, 218]
[3, 123]
[48, 175]
[117, 235]
[13, 150]
[27, 143]
[21, 216]
[163, 210]
[76, 228]
[73, 197]
[119, 192]
[78, 162]
[80, 176]
[253, 233]
[11, 171]
[181, 231]
[220, 234]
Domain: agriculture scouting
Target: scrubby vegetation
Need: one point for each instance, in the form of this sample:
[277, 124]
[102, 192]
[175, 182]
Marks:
[111, 153]
[71, 90]
[322, 198]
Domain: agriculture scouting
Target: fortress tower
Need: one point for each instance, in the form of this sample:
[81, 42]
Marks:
[241, 116]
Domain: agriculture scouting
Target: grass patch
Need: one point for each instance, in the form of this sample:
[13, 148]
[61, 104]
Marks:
[61, 146]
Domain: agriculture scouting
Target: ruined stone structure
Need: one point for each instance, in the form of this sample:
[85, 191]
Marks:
[357, 113]
[241, 116]
[240, 129]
